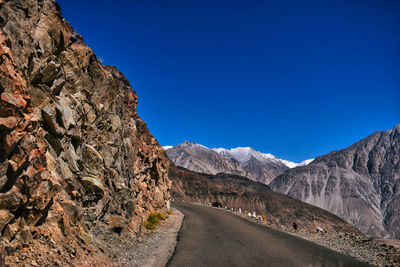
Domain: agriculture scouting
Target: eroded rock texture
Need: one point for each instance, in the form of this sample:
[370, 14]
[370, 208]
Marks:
[74, 155]
[361, 183]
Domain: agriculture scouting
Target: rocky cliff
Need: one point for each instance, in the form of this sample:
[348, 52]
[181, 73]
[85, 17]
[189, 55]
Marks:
[361, 183]
[76, 161]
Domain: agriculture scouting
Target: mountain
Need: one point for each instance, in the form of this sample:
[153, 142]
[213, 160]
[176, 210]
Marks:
[202, 159]
[236, 192]
[77, 164]
[361, 183]
[263, 167]
[243, 161]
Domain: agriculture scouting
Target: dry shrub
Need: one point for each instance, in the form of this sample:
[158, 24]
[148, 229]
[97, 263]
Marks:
[153, 219]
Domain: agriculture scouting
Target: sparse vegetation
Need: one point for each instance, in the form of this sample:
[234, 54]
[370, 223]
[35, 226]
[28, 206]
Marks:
[153, 219]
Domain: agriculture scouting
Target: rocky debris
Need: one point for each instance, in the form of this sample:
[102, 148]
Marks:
[254, 198]
[147, 248]
[75, 156]
[359, 184]
[159, 246]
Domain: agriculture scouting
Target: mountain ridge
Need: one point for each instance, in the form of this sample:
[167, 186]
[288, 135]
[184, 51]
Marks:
[360, 183]
[244, 161]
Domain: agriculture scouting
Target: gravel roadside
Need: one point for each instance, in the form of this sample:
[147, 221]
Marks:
[151, 248]
[158, 247]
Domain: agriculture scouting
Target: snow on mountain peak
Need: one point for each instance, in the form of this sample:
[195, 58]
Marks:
[244, 154]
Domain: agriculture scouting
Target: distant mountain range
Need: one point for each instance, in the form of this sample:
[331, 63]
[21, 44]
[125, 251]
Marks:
[360, 184]
[243, 161]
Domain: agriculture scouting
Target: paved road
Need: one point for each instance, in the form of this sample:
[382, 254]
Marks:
[214, 237]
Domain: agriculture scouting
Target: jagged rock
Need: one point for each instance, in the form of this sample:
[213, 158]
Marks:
[5, 218]
[72, 144]
[115, 123]
[57, 86]
[8, 123]
[66, 113]
[10, 200]
[93, 186]
[50, 72]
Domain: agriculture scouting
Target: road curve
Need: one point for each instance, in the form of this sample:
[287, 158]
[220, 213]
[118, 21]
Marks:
[214, 237]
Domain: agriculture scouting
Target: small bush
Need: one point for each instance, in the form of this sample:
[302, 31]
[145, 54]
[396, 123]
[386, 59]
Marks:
[153, 219]
[149, 225]
[169, 212]
[161, 216]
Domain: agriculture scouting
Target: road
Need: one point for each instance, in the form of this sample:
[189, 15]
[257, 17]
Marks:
[215, 237]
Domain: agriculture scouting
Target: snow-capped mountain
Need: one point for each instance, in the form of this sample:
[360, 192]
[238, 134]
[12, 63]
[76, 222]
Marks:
[244, 161]
[198, 158]
[243, 154]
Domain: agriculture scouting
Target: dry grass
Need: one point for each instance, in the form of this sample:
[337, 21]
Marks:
[154, 219]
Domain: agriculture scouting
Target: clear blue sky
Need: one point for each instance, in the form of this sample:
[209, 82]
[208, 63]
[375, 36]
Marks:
[293, 78]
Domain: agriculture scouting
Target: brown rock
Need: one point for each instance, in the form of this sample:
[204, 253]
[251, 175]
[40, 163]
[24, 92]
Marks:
[10, 200]
[73, 146]
[93, 185]
[5, 218]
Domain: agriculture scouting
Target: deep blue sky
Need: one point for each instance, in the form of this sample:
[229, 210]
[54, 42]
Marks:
[293, 78]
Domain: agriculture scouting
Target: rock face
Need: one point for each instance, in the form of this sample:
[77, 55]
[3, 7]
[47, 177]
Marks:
[361, 183]
[243, 161]
[236, 192]
[74, 153]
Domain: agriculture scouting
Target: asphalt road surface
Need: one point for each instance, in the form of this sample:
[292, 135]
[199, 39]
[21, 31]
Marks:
[214, 237]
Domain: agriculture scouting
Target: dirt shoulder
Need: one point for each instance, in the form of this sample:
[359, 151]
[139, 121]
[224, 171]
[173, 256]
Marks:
[158, 247]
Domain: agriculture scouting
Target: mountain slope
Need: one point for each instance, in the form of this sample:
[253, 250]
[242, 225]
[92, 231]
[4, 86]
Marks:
[239, 192]
[199, 158]
[262, 167]
[76, 163]
[361, 183]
